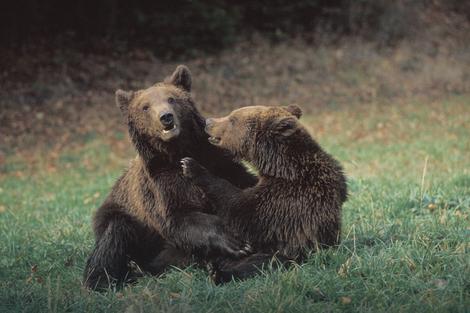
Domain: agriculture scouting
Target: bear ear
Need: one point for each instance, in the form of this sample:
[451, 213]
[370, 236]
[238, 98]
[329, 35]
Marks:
[123, 98]
[294, 109]
[181, 77]
[284, 126]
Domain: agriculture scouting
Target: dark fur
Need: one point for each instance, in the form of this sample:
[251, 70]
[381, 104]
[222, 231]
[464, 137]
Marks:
[296, 205]
[154, 215]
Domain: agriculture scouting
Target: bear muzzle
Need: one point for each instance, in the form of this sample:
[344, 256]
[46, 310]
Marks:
[168, 121]
[170, 127]
[212, 139]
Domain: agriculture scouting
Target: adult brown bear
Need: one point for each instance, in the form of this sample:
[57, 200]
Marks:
[154, 215]
[295, 206]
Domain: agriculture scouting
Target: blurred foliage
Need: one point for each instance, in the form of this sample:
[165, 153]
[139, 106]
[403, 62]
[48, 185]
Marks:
[182, 27]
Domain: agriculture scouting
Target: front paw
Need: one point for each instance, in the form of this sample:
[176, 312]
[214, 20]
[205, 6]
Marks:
[230, 247]
[212, 269]
[191, 168]
[215, 273]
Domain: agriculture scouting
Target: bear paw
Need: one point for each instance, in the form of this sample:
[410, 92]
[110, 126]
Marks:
[217, 276]
[247, 249]
[212, 269]
[240, 251]
[191, 168]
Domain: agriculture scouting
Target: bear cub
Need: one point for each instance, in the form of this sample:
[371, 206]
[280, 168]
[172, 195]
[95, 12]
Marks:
[296, 205]
[154, 216]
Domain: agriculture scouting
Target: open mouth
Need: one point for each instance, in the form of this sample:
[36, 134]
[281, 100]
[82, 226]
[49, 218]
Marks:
[214, 140]
[169, 129]
[170, 133]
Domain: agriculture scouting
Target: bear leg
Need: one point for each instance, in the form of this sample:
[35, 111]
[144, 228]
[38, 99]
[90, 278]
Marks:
[206, 236]
[108, 266]
[221, 192]
[169, 257]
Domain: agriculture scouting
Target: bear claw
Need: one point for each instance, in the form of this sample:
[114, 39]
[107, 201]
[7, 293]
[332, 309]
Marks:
[185, 164]
[190, 167]
[246, 249]
[212, 270]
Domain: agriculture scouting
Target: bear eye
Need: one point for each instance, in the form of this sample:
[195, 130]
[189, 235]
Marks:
[146, 107]
[171, 100]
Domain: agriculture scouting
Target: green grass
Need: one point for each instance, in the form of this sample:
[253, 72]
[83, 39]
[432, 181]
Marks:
[405, 241]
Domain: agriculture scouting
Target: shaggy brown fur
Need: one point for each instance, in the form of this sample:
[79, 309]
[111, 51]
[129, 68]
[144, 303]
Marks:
[296, 205]
[154, 215]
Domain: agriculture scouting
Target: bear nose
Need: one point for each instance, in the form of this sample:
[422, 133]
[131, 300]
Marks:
[167, 120]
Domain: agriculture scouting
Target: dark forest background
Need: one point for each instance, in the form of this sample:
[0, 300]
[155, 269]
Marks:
[183, 27]
[61, 61]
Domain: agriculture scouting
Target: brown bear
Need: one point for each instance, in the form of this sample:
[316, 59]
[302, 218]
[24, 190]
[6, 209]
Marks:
[295, 206]
[154, 216]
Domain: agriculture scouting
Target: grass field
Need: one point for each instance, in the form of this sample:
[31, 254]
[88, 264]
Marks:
[406, 230]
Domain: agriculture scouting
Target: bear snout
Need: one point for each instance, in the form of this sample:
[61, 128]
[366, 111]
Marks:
[168, 120]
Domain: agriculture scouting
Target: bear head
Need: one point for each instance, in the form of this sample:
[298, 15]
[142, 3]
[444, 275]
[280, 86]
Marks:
[247, 130]
[161, 112]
